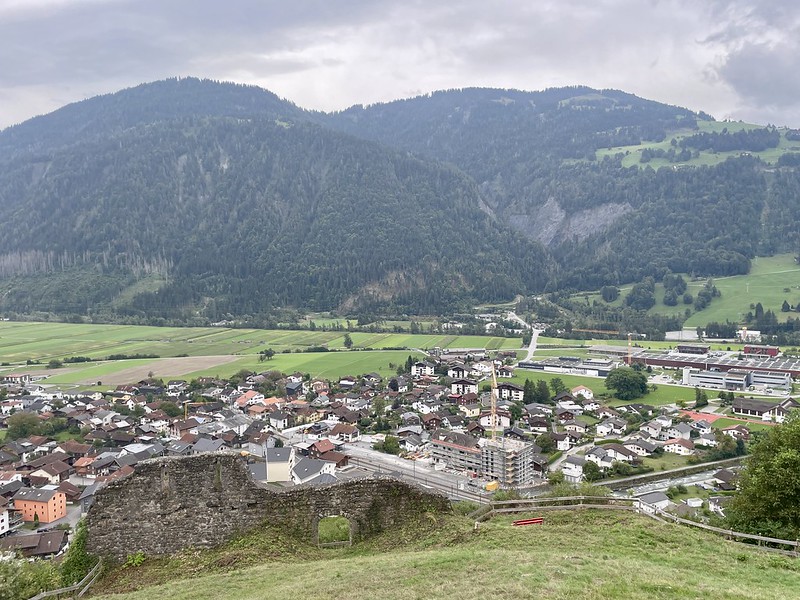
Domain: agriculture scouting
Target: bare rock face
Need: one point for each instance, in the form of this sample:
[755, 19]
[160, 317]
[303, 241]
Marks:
[552, 226]
[205, 500]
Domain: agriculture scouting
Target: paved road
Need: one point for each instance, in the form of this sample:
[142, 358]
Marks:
[364, 457]
[663, 484]
[534, 333]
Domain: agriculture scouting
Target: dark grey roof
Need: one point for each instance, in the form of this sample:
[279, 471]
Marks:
[11, 487]
[90, 490]
[258, 471]
[178, 447]
[35, 494]
[643, 444]
[653, 497]
[206, 445]
[322, 479]
[276, 455]
[453, 437]
[308, 467]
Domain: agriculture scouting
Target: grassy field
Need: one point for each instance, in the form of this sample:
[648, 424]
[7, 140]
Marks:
[333, 529]
[664, 394]
[772, 279]
[767, 282]
[665, 462]
[210, 351]
[633, 153]
[752, 426]
[588, 555]
[330, 365]
[44, 341]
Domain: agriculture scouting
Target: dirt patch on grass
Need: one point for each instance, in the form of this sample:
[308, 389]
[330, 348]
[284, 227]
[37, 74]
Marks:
[165, 368]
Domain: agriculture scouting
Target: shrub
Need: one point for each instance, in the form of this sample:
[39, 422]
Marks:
[77, 561]
[134, 560]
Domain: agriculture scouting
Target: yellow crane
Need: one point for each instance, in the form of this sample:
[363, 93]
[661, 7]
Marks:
[493, 409]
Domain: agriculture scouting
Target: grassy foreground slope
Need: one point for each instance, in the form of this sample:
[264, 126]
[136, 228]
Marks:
[587, 555]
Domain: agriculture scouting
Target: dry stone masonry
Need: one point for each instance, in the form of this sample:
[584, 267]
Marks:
[205, 500]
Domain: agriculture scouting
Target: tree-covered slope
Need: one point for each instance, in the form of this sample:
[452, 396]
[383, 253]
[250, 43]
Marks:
[188, 198]
[102, 116]
[534, 157]
[239, 216]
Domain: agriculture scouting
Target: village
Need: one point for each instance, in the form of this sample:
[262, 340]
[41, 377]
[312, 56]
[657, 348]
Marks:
[452, 422]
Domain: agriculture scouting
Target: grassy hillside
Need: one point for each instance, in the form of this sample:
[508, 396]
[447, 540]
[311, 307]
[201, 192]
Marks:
[767, 282]
[587, 555]
[634, 153]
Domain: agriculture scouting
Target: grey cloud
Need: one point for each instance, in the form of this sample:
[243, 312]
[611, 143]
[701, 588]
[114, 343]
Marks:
[329, 54]
[766, 75]
[147, 39]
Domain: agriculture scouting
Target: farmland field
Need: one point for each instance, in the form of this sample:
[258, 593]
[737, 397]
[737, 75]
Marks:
[189, 352]
[44, 341]
[317, 364]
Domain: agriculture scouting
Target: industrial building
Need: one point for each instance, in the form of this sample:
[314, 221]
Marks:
[770, 379]
[717, 361]
[735, 379]
[754, 349]
[723, 380]
[595, 367]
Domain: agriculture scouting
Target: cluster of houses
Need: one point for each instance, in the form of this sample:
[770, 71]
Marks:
[722, 483]
[42, 479]
[446, 419]
[643, 436]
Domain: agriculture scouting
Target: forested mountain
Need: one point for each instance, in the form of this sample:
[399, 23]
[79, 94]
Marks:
[188, 199]
[534, 158]
[231, 216]
[151, 103]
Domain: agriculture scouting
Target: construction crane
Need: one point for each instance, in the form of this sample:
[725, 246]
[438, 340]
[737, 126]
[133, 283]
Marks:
[493, 409]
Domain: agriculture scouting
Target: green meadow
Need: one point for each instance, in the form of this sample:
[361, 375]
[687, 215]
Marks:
[21, 341]
[771, 280]
[632, 154]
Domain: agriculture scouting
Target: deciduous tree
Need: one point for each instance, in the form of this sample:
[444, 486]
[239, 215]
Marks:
[627, 383]
[768, 500]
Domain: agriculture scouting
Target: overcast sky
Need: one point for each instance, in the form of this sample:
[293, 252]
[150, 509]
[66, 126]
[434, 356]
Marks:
[735, 59]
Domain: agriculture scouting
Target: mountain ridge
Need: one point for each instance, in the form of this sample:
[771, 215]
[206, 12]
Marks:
[426, 204]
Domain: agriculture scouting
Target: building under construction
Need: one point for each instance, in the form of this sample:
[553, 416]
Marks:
[511, 462]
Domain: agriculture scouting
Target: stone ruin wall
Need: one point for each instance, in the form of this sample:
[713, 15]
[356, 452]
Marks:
[205, 500]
